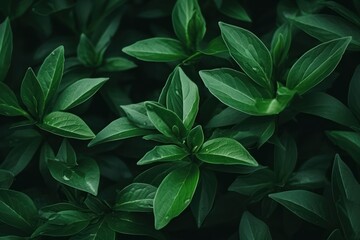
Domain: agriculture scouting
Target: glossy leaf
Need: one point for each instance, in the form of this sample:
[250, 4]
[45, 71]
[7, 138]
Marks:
[97, 231]
[116, 64]
[252, 228]
[327, 27]
[280, 44]
[78, 92]
[225, 151]
[354, 88]
[136, 197]
[17, 210]
[348, 141]
[85, 176]
[66, 125]
[165, 121]
[87, 53]
[137, 114]
[118, 129]
[32, 95]
[188, 23]
[50, 73]
[343, 11]
[204, 196]
[249, 52]
[163, 153]
[157, 50]
[183, 97]
[6, 178]
[195, 139]
[175, 194]
[6, 47]
[66, 154]
[233, 9]
[316, 64]
[309, 206]
[9, 105]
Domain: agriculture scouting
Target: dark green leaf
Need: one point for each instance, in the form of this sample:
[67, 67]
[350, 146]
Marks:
[66, 125]
[6, 178]
[17, 210]
[226, 117]
[250, 53]
[85, 176]
[309, 206]
[163, 153]
[348, 141]
[97, 231]
[233, 9]
[118, 129]
[225, 151]
[323, 105]
[285, 158]
[252, 228]
[353, 96]
[195, 139]
[137, 114]
[50, 73]
[188, 22]
[44, 7]
[165, 121]
[335, 235]
[78, 92]
[327, 27]
[32, 95]
[6, 47]
[316, 64]
[183, 97]
[20, 156]
[9, 105]
[116, 64]
[215, 47]
[136, 197]
[157, 50]
[87, 53]
[280, 44]
[175, 194]
[204, 196]
[343, 11]
[66, 154]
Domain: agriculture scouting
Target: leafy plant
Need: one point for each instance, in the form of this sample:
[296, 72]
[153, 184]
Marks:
[203, 119]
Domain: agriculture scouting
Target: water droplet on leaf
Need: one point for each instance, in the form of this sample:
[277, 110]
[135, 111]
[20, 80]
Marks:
[67, 175]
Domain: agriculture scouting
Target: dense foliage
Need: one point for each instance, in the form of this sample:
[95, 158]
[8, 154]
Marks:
[159, 119]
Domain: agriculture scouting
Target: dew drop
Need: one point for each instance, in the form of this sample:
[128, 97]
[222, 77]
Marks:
[255, 69]
[187, 201]
[166, 217]
[67, 174]
[53, 53]
[177, 92]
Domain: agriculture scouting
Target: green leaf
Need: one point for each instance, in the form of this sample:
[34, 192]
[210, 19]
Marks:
[226, 117]
[163, 153]
[175, 194]
[204, 196]
[32, 95]
[66, 125]
[215, 47]
[165, 121]
[97, 231]
[316, 64]
[307, 205]
[343, 11]
[137, 114]
[157, 50]
[348, 141]
[6, 47]
[183, 97]
[17, 210]
[280, 44]
[136, 197]
[225, 151]
[66, 154]
[116, 64]
[195, 139]
[188, 22]
[234, 89]
[327, 27]
[252, 228]
[233, 9]
[323, 105]
[345, 191]
[46, 8]
[87, 53]
[250, 53]
[335, 235]
[285, 158]
[78, 92]
[6, 178]
[20, 156]
[85, 176]
[353, 96]
[118, 129]
[50, 73]
[132, 224]
[9, 105]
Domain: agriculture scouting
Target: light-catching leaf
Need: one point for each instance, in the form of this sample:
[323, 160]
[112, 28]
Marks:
[66, 125]
[6, 47]
[157, 50]
[233, 9]
[252, 228]
[137, 115]
[250, 53]
[163, 153]
[175, 194]
[225, 151]
[316, 64]
[348, 141]
[9, 105]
